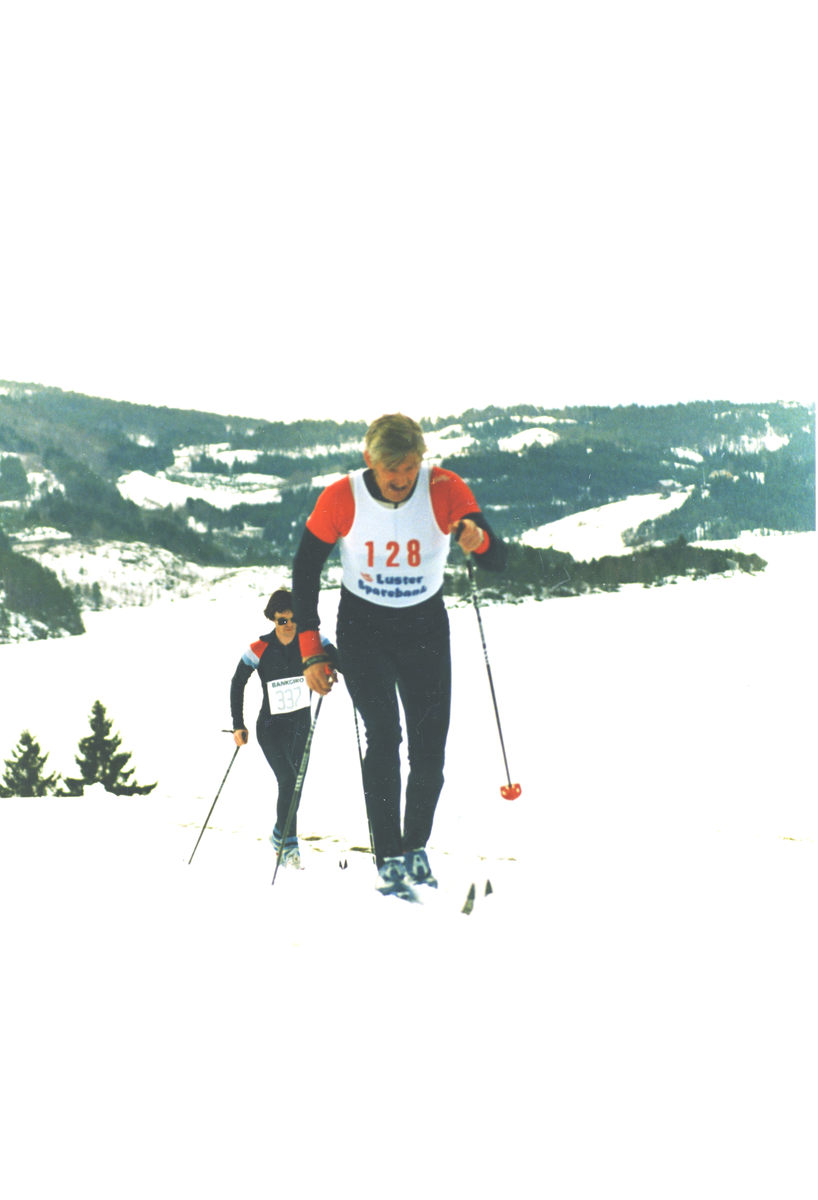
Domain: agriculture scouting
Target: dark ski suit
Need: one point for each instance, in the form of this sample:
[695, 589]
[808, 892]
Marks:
[281, 730]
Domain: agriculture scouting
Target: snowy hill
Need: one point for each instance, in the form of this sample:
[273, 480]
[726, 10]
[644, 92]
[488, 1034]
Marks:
[599, 531]
[639, 982]
[231, 492]
[124, 503]
[152, 491]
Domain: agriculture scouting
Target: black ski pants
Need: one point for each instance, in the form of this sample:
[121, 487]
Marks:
[283, 740]
[384, 655]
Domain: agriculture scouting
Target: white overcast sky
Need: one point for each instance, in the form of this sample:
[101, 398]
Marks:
[341, 209]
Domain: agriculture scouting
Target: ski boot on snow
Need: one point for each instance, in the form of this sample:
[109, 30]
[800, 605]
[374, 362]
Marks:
[392, 879]
[291, 856]
[416, 866]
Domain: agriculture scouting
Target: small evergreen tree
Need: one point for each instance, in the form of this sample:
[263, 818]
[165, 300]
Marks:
[24, 770]
[100, 760]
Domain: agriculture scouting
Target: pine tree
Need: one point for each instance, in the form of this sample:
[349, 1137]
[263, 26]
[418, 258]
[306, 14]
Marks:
[24, 770]
[100, 760]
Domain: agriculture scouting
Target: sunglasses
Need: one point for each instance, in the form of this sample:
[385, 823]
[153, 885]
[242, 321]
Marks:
[284, 621]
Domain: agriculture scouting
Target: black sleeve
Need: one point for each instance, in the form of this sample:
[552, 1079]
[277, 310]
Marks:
[309, 560]
[332, 651]
[237, 686]
[494, 559]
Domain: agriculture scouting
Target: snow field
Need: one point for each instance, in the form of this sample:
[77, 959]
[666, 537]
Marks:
[595, 532]
[632, 1011]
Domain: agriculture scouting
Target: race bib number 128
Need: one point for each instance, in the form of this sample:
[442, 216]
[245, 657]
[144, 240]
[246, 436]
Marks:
[286, 695]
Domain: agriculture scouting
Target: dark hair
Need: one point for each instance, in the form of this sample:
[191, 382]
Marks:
[280, 601]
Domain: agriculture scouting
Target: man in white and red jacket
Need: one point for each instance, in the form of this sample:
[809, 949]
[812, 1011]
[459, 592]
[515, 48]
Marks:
[393, 519]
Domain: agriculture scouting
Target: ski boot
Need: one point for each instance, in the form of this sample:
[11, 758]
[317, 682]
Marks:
[392, 879]
[291, 855]
[416, 866]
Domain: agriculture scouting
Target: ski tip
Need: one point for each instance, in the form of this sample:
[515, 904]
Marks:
[343, 864]
[469, 905]
[489, 889]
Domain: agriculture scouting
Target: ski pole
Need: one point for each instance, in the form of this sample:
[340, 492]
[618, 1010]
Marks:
[299, 783]
[512, 790]
[361, 760]
[213, 805]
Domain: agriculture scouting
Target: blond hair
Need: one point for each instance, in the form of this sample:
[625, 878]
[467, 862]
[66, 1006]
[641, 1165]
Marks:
[392, 438]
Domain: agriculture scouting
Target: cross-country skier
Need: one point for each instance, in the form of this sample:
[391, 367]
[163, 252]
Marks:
[393, 520]
[284, 719]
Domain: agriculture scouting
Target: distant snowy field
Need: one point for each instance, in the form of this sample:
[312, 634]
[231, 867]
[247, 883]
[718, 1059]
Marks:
[631, 1013]
[156, 491]
[595, 532]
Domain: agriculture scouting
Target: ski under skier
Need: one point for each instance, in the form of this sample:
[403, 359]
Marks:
[393, 520]
[284, 719]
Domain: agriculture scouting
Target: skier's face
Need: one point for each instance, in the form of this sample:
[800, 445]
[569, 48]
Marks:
[395, 482]
[285, 633]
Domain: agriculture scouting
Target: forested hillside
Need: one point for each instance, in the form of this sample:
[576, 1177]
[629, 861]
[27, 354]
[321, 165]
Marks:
[231, 491]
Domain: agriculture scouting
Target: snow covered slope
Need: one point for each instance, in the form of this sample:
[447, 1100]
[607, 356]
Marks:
[118, 574]
[630, 1013]
[599, 531]
[156, 491]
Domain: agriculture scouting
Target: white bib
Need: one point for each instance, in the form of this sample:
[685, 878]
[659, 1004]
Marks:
[287, 695]
[394, 556]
